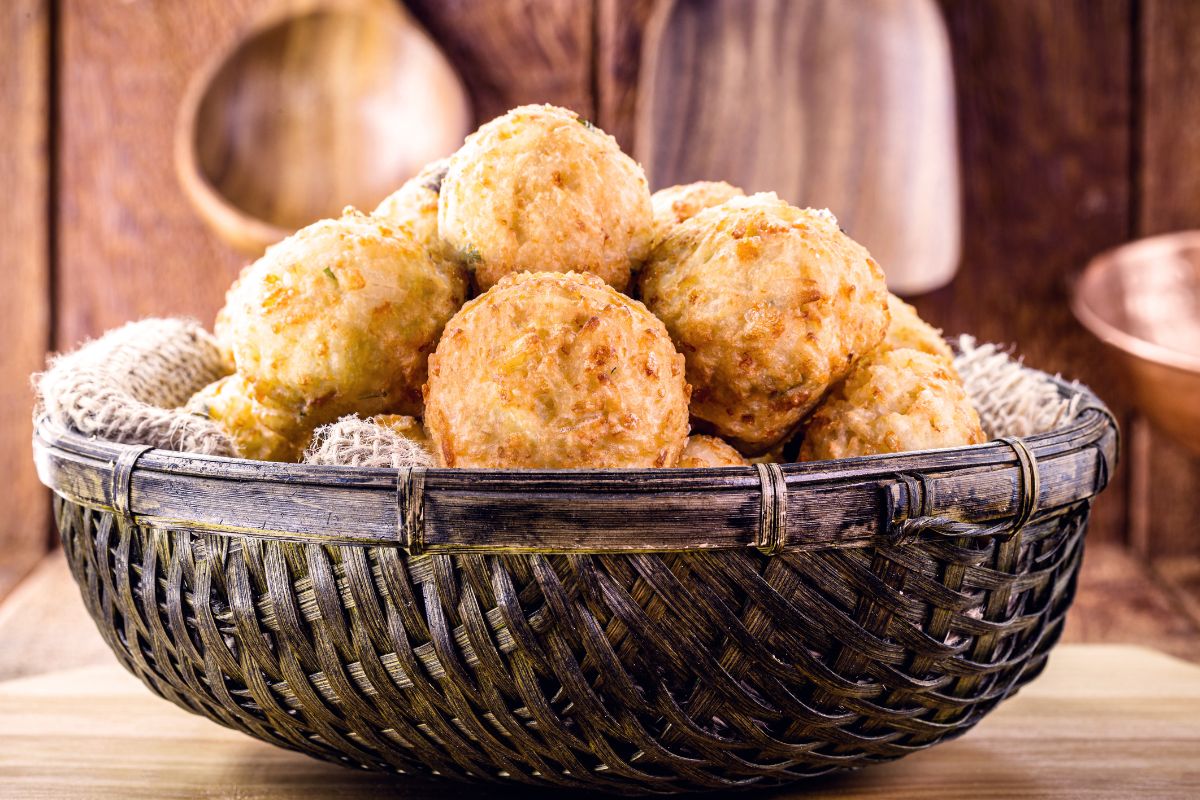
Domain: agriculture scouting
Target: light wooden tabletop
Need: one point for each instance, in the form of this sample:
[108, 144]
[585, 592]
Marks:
[1104, 721]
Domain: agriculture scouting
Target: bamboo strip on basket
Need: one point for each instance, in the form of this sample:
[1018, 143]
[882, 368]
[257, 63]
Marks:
[831, 504]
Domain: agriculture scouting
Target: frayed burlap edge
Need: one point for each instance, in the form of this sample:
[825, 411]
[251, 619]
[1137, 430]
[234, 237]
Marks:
[127, 386]
[1011, 400]
[355, 442]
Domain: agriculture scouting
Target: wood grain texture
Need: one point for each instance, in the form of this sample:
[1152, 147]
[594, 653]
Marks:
[1167, 199]
[25, 271]
[130, 244]
[1045, 126]
[1101, 722]
[1182, 575]
[312, 112]
[14, 569]
[848, 106]
[513, 52]
[624, 29]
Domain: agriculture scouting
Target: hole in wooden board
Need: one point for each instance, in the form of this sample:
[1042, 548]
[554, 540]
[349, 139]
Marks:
[331, 107]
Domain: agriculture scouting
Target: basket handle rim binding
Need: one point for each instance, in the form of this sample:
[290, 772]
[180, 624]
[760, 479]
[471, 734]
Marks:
[921, 522]
[988, 490]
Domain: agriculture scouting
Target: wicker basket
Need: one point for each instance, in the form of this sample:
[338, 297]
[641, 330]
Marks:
[625, 631]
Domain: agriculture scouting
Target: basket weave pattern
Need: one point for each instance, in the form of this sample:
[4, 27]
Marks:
[625, 673]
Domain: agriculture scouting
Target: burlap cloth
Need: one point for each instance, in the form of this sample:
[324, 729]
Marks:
[360, 443]
[127, 386]
[1011, 400]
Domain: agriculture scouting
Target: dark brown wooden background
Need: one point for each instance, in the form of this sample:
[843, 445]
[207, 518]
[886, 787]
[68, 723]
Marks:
[1079, 129]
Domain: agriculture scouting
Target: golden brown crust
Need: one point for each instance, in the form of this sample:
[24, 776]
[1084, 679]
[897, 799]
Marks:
[258, 430]
[907, 329]
[416, 202]
[770, 305]
[415, 206]
[222, 326]
[892, 402]
[553, 370]
[340, 318]
[709, 451]
[541, 189]
[677, 204]
[772, 456]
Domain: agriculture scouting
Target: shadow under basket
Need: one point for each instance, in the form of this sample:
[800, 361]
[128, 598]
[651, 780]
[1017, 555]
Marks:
[626, 631]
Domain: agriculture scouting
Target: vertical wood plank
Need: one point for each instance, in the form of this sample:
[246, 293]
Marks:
[513, 52]
[840, 105]
[621, 30]
[1045, 120]
[130, 244]
[1168, 199]
[25, 272]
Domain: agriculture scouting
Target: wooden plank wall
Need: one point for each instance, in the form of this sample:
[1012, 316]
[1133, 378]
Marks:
[1079, 127]
[1045, 126]
[1165, 497]
[130, 245]
[24, 271]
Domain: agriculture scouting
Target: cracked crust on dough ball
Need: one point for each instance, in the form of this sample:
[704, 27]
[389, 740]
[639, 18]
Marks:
[556, 370]
[907, 329]
[340, 318]
[770, 304]
[892, 402]
[677, 204]
[415, 205]
[259, 430]
[709, 451]
[542, 189]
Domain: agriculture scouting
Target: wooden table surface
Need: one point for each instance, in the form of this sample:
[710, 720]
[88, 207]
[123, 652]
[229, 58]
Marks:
[1104, 721]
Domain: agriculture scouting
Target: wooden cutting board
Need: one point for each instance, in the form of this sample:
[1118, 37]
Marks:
[832, 104]
[1104, 721]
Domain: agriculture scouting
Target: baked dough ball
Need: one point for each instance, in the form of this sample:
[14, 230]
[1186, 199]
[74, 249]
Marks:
[552, 370]
[677, 204]
[339, 318]
[542, 189]
[772, 456]
[893, 401]
[709, 451]
[259, 430]
[907, 329]
[415, 205]
[770, 305]
[416, 202]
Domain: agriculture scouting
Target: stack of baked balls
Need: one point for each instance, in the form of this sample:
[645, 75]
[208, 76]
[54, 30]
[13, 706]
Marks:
[607, 324]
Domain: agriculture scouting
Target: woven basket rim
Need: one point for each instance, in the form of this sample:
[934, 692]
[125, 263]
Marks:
[425, 509]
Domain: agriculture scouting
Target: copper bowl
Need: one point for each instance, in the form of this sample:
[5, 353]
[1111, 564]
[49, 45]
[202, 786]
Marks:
[1143, 301]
